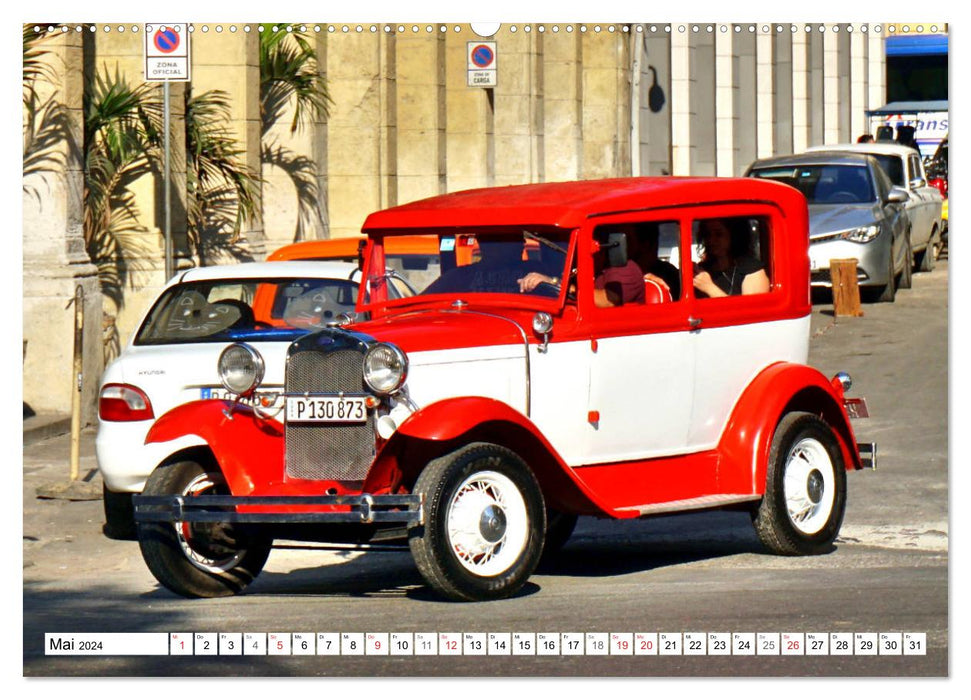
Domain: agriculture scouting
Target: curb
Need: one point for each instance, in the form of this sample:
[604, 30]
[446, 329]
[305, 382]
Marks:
[43, 427]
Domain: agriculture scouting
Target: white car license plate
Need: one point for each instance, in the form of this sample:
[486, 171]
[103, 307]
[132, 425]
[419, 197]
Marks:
[267, 399]
[326, 409]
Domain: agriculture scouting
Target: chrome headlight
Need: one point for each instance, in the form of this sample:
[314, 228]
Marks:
[240, 369]
[385, 368]
[861, 234]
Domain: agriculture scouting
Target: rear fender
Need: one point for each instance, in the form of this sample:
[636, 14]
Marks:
[784, 387]
[447, 425]
[249, 450]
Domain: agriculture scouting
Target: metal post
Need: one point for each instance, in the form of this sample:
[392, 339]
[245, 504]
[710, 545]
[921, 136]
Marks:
[169, 268]
[78, 374]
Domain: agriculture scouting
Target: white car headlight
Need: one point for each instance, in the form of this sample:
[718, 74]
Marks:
[861, 234]
[385, 368]
[240, 369]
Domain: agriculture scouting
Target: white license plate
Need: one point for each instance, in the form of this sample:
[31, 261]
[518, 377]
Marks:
[326, 409]
[267, 399]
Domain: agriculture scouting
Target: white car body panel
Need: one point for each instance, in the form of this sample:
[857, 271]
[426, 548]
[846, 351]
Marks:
[569, 380]
[177, 373]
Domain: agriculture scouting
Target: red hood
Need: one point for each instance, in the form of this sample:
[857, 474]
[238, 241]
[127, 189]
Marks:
[437, 329]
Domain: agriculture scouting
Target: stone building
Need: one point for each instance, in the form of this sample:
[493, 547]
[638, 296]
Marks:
[570, 102]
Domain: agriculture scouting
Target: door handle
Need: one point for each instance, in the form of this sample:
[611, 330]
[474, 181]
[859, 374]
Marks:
[694, 323]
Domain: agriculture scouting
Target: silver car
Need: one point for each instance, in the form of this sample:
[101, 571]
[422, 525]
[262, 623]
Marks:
[924, 204]
[854, 212]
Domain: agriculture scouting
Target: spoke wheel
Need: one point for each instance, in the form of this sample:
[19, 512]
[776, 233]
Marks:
[198, 560]
[809, 486]
[805, 492]
[484, 522]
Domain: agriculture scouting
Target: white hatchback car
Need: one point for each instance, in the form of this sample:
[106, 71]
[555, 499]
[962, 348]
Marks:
[171, 358]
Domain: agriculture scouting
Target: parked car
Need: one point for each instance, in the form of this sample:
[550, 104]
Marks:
[854, 212]
[480, 417]
[936, 170]
[924, 206]
[171, 357]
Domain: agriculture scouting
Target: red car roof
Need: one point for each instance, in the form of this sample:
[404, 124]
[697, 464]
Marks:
[568, 204]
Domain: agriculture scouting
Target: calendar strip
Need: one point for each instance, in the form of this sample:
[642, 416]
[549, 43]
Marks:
[488, 644]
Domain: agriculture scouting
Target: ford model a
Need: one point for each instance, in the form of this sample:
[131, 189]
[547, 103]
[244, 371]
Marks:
[618, 348]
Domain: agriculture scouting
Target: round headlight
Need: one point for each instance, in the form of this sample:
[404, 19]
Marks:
[385, 368]
[240, 369]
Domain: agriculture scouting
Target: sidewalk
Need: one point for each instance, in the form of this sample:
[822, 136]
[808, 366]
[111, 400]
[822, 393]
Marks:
[42, 426]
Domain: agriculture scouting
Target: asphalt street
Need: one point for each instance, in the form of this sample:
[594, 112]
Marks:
[692, 573]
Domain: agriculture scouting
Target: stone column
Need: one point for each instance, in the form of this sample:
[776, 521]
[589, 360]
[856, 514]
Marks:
[606, 100]
[517, 125]
[469, 136]
[292, 199]
[421, 115]
[121, 54]
[782, 80]
[765, 93]
[55, 263]
[858, 84]
[360, 159]
[562, 100]
[831, 87]
[230, 61]
[681, 107]
[876, 74]
[816, 86]
[845, 97]
[725, 116]
[656, 102]
[746, 94]
[800, 91]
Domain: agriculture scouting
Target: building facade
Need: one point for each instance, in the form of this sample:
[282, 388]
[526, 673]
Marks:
[570, 102]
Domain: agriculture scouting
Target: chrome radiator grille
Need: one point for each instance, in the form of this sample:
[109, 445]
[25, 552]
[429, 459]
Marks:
[341, 452]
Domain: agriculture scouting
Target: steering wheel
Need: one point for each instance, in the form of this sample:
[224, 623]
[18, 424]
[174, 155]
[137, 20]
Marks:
[842, 197]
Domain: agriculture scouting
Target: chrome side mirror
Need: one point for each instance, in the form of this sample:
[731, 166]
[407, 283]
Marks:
[898, 195]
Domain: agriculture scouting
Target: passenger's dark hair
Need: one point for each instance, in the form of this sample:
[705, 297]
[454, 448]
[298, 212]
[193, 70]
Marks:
[740, 230]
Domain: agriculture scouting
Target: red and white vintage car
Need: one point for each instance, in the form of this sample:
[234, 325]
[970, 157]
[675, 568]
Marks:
[617, 348]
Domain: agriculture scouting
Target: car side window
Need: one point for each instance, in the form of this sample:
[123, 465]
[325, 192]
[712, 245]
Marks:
[656, 248]
[731, 256]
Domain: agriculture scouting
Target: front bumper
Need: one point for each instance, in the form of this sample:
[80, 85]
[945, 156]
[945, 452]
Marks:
[365, 508]
[873, 260]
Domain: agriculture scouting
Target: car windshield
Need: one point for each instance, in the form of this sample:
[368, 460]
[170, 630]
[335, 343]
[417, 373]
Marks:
[478, 262]
[824, 184]
[245, 309]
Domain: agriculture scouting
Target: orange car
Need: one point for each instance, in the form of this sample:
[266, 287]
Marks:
[415, 259]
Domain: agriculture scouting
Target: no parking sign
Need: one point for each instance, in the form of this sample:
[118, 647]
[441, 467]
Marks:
[482, 63]
[166, 52]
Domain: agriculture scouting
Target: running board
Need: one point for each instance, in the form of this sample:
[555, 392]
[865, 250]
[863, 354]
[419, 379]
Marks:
[690, 504]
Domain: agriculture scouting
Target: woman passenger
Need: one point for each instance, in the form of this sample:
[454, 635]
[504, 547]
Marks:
[728, 267]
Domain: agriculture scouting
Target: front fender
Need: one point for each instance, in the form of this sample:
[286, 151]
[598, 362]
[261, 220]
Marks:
[779, 389]
[444, 426]
[248, 450]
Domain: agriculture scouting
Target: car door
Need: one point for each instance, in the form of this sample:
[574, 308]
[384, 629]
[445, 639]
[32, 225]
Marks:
[736, 337]
[640, 363]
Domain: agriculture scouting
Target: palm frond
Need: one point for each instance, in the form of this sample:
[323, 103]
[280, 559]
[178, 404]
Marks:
[289, 76]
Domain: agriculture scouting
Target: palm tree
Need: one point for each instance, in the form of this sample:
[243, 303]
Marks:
[289, 76]
[222, 192]
[46, 126]
[288, 73]
[122, 137]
